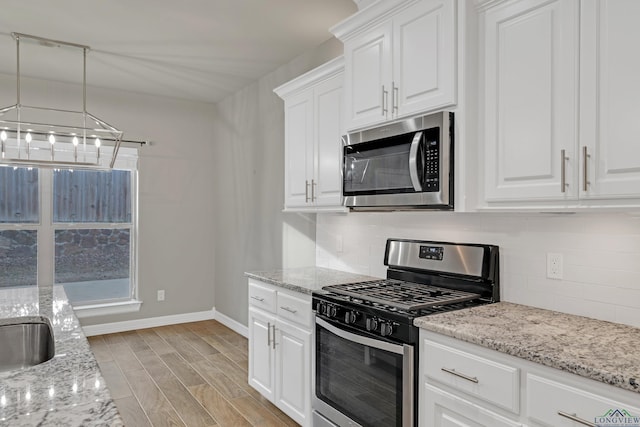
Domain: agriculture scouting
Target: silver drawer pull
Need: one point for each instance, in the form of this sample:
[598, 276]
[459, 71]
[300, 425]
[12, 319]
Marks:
[576, 419]
[290, 310]
[458, 374]
[257, 298]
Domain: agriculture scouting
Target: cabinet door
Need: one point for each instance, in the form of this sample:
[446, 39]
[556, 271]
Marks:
[368, 77]
[530, 106]
[442, 409]
[424, 57]
[293, 371]
[610, 66]
[298, 149]
[261, 354]
[328, 143]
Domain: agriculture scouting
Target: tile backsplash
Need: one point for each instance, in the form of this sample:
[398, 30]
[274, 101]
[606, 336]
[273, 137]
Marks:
[601, 253]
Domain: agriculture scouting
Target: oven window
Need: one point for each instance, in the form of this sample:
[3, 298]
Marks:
[362, 382]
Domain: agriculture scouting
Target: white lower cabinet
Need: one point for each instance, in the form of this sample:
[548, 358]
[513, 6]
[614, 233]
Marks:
[556, 404]
[280, 348]
[261, 355]
[463, 384]
[293, 366]
[443, 409]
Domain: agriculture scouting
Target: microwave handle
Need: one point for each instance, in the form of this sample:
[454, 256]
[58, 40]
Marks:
[413, 161]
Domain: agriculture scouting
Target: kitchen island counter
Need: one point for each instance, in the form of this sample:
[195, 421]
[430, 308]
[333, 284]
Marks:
[307, 279]
[595, 349]
[67, 390]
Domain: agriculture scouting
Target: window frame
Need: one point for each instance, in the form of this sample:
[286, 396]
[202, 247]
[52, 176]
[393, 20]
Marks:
[46, 229]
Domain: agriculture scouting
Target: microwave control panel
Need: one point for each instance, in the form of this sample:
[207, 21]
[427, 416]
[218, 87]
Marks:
[431, 181]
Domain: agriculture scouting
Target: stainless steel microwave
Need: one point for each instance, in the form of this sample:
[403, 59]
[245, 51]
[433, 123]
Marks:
[404, 165]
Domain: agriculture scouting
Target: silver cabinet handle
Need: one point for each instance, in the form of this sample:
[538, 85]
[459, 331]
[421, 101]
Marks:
[313, 192]
[576, 419]
[268, 334]
[394, 99]
[290, 310]
[563, 170]
[306, 191]
[257, 298]
[385, 101]
[274, 336]
[585, 164]
[458, 374]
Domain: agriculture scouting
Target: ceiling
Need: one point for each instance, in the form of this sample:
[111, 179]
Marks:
[200, 50]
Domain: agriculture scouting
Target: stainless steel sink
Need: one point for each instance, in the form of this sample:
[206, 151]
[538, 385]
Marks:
[25, 341]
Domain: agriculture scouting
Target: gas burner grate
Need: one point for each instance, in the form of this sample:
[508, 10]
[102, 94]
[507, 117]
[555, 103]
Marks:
[402, 295]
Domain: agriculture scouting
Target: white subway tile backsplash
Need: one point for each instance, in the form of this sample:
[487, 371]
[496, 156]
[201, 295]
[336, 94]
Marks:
[601, 253]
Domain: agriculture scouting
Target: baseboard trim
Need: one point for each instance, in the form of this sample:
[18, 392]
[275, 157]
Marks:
[231, 324]
[151, 322]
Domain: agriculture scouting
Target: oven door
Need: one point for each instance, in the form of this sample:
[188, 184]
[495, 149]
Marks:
[361, 381]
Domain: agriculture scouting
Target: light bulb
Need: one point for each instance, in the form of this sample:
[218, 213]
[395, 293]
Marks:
[28, 137]
[98, 142]
[75, 141]
[52, 139]
[3, 136]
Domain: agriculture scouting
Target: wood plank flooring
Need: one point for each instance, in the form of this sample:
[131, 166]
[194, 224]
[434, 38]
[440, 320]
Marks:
[192, 374]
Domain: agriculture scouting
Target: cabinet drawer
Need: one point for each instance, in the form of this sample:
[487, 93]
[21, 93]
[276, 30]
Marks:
[295, 309]
[443, 409]
[485, 379]
[553, 404]
[262, 296]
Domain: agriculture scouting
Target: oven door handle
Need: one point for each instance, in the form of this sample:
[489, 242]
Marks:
[408, 377]
[413, 162]
[370, 342]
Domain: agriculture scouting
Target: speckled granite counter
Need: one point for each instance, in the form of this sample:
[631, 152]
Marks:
[595, 349]
[67, 390]
[307, 279]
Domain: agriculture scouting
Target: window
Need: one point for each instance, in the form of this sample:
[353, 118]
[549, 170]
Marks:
[18, 246]
[74, 228]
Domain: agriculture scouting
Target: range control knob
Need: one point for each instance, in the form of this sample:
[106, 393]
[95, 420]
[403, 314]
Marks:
[321, 308]
[332, 311]
[386, 329]
[372, 324]
[350, 317]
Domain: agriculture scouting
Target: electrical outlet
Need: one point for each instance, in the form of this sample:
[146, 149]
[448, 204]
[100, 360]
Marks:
[161, 295]
[554, 266]
[339, 244]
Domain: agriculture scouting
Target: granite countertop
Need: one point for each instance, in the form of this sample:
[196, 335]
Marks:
[67, 390]
[307, 279]
[595, 349]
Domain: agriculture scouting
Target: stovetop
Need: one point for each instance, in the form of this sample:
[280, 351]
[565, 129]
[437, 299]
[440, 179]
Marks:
[423, 278]
[401, 295]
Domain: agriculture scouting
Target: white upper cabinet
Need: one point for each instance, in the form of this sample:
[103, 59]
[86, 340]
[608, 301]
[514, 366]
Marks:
[400, 60]
[298, 148]
[560, 103]
[530, 105]
[328, 143]
[424, 58]
[610, 95]
[313, 106]
[368, 81]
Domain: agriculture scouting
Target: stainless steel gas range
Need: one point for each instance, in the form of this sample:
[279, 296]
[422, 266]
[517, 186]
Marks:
[365, 354]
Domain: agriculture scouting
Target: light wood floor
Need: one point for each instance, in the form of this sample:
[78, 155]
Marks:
[192, 374]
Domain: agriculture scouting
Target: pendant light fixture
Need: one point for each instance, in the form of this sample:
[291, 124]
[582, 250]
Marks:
[73, 140]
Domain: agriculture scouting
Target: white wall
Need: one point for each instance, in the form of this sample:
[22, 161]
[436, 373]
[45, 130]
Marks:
[176, 177]
[601, 253]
